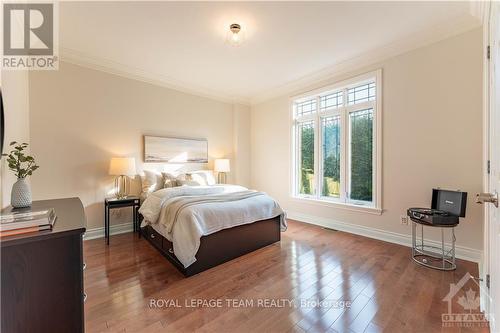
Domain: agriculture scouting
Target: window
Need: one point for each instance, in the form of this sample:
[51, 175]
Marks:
[306, 160]
[337, 150]
[362, 93]
[361, 155]
[330, 129]
[331, 101]
[305, 108]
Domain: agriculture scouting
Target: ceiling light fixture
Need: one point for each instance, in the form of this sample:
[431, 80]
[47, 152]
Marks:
[235, 36]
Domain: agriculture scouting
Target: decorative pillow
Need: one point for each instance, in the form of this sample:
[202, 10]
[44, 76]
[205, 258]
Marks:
[186, 179]
[169, 180]
[151, 181]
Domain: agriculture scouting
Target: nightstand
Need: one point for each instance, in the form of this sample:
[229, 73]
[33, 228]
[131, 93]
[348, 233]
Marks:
[111, 203]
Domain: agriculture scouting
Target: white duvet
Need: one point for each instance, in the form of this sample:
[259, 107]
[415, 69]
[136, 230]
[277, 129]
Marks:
[205, 218]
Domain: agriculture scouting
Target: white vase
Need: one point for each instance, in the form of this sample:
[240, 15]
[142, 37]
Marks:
[21, 194]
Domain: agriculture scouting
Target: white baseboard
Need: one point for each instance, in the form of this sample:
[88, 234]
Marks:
[461, 252]
[113, 230]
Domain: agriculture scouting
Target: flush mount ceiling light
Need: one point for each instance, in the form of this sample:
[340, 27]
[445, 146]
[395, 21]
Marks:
[235, 36]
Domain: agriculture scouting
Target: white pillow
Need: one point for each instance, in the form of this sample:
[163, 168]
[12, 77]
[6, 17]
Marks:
[188, 183]
[204, 176]
[151, 181]
[183, 177]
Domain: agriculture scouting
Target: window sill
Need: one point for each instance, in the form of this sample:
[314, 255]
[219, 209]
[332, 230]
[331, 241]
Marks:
[339, 205]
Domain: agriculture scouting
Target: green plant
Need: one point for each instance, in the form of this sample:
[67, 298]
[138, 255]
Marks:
[22, 165]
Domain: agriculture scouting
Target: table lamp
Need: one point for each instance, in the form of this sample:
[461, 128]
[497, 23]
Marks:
[122, 167]
[221, 166]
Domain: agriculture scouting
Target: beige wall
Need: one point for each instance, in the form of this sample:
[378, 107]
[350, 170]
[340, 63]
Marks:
[16, 111]
[432, 137]
[241, 140]
[80, 118]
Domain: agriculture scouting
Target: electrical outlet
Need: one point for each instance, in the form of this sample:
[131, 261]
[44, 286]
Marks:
[404, 220]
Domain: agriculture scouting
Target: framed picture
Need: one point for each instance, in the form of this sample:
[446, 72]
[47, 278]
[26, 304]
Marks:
[175, 150]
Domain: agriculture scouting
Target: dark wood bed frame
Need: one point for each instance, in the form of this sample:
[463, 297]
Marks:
[221, 246]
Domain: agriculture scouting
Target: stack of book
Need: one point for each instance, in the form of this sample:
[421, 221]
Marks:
[21, 222]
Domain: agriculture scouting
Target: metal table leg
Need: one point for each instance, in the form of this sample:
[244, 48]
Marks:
[437, 257]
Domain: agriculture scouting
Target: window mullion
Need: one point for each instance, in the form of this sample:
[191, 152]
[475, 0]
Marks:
[298, 151]
[375, 138]
[306, 118]
[343, 147]
[317, 148]
[361, 106]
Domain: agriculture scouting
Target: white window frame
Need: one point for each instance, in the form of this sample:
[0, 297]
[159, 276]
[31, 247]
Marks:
[375, 207]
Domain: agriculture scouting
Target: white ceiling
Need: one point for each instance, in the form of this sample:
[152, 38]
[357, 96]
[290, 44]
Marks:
[183, 44]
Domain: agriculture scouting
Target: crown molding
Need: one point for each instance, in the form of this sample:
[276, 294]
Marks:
[415, 41]
[108, 66]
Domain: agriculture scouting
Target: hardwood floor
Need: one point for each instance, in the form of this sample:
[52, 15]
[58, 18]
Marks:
[314, 268]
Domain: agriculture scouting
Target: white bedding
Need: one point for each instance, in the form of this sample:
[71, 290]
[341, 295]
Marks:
[205, 218]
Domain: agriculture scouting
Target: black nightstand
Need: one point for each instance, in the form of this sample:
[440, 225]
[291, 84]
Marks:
[111, 203]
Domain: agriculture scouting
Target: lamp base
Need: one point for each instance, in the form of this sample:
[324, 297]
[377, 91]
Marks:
[121, 187]
[221, 178]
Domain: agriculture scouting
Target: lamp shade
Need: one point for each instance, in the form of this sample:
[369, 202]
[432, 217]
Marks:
[222, 165]
[122, 166]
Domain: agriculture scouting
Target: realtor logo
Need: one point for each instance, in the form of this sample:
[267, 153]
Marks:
[29, 36]
[466, 294]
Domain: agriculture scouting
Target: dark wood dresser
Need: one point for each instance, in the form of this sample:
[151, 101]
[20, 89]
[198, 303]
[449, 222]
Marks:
[42, 274]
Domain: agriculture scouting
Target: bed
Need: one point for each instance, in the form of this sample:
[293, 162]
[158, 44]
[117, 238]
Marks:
[199, 227]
